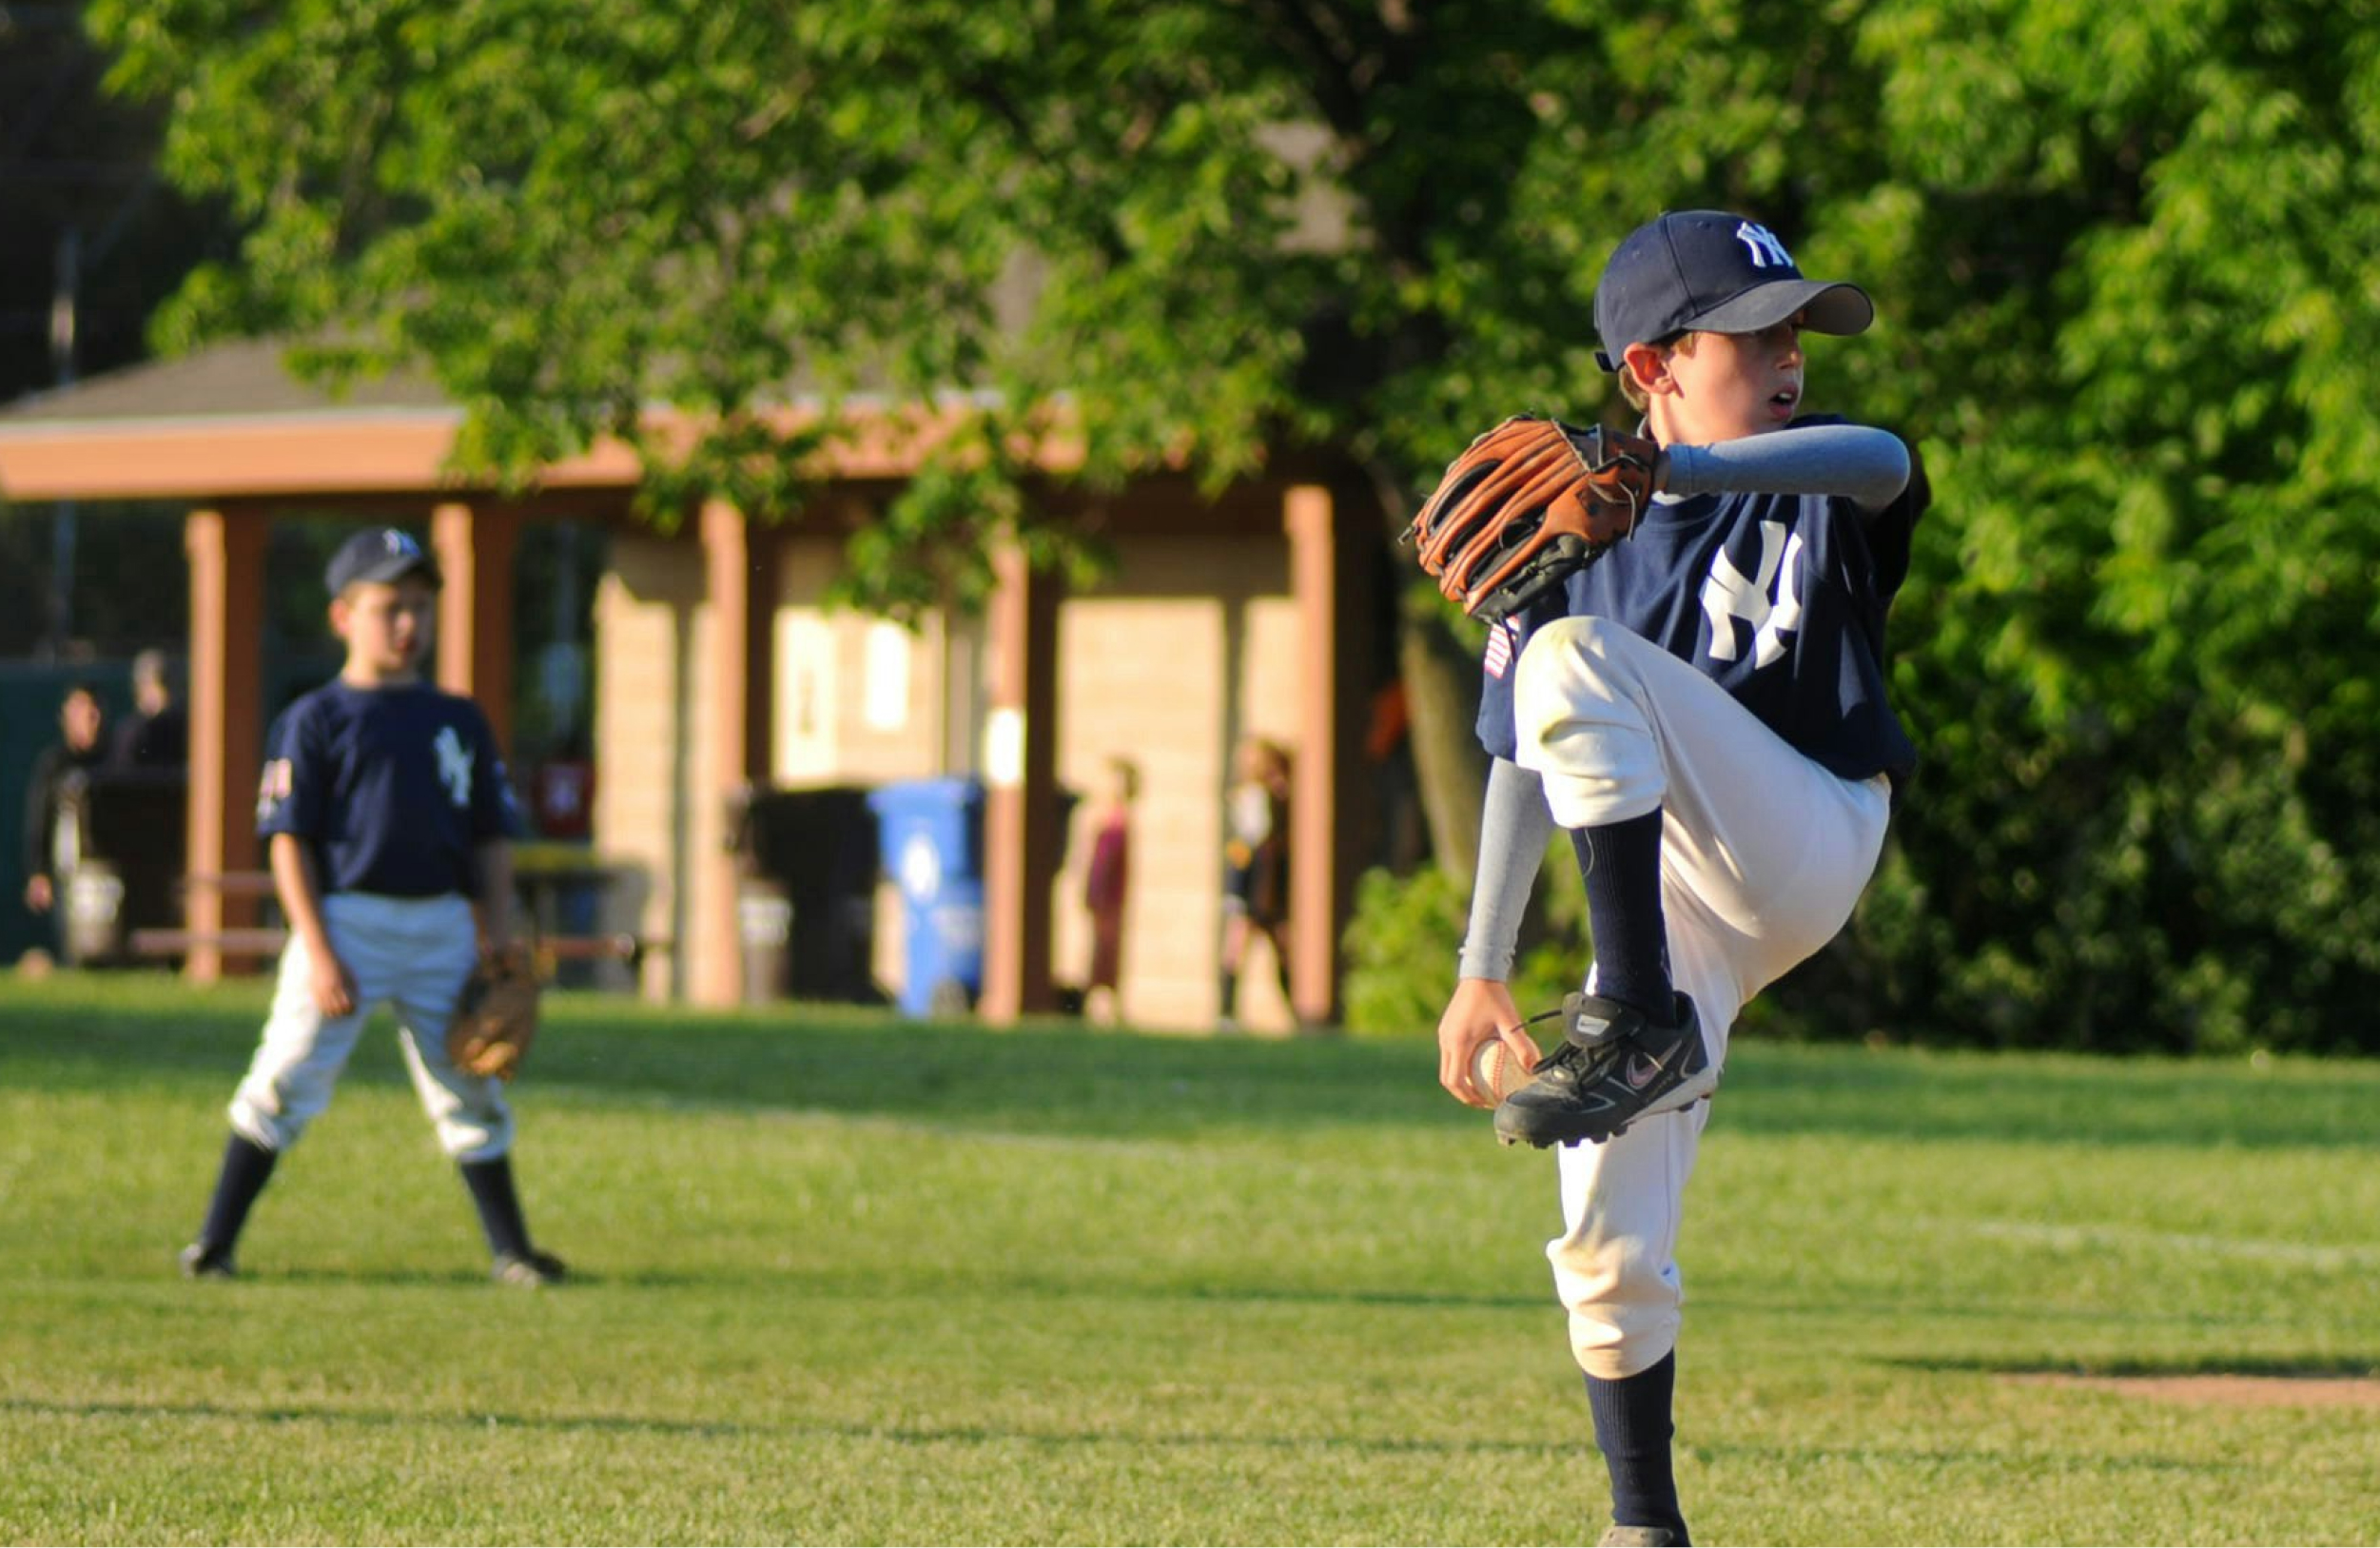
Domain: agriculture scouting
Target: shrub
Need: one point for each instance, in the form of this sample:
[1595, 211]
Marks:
[1405, 932]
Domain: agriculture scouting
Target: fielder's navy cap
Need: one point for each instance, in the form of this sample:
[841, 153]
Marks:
[1705, 270]
[381, 554]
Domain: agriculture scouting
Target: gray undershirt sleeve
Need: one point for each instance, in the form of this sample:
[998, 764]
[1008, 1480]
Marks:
[1515, 825]
[1871, 467]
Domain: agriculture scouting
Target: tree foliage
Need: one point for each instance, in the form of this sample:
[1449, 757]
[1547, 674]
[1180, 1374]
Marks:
[2140, 635]
[2123, 256]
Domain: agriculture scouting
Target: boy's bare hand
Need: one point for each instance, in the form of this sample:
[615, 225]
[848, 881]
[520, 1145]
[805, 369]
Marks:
[334, 990]
[1480, 1010]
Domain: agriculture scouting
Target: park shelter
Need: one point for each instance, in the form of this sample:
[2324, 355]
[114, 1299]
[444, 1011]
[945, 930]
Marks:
[718, 668]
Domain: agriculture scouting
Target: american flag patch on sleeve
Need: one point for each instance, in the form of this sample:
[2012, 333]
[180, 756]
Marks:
[1500, 647]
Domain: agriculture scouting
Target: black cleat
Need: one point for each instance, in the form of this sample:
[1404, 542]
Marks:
[1612, 1067]
[534, 1271]
[200, 1261]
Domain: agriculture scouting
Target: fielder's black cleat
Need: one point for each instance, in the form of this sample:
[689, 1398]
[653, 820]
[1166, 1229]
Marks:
[1613, 1067]
[200, 1261]
[534, 1271]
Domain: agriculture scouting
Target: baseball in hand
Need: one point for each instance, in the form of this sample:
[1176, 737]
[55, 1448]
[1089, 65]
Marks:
[1494, 1072]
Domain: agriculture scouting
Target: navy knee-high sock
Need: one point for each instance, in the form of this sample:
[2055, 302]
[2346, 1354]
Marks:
[1632, 1428]
[1621, 862]
[247, 1167]
[491, 1185]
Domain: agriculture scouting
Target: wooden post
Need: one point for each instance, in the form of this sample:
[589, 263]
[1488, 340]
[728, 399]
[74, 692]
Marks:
[474, 550]
[1329, 574]
[226, 552]
[1023, 838]
[731, 697]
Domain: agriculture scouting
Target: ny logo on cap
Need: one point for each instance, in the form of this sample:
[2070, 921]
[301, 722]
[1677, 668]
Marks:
[1766, 248]
[400, 542]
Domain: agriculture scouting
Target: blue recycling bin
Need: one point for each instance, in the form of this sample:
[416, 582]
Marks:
[930, 833]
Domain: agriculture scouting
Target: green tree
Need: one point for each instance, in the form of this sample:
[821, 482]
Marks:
[2143, 644]
[2121, 255]
[1186, 233]
[94, 241]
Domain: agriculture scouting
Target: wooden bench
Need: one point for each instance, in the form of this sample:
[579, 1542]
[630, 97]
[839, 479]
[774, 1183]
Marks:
[251, 943]
[266, 941]
[233, 941]
[232, 884]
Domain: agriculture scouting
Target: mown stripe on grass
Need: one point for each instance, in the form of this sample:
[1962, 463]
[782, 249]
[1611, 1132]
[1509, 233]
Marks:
[2100, 1238]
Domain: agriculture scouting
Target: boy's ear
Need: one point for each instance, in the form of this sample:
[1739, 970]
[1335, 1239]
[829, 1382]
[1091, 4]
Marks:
[1650, 365]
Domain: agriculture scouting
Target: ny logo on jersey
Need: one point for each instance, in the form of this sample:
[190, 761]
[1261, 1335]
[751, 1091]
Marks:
[454, 765]
[1766, 248]
[1729, 595]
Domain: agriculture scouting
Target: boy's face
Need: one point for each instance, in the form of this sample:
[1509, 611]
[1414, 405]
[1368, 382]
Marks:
[385, 625]
[1731, 386]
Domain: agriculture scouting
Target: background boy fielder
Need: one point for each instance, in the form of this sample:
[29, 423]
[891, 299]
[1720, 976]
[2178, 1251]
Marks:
[387, 814]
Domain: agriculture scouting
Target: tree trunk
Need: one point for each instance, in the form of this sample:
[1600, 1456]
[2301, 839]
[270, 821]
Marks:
[1442, 692]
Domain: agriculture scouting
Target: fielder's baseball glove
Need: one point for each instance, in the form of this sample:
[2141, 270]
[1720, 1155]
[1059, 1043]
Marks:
[495, 1019]
[1530, 503]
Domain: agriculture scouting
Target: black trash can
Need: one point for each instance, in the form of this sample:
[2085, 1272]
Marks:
[763, 919]
[817, 846]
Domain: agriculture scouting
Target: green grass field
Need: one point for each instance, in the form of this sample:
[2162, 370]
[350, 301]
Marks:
[851, 1281]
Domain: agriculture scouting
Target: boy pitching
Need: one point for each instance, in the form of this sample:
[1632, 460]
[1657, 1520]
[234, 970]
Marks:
[387, 816]
[1703, 709]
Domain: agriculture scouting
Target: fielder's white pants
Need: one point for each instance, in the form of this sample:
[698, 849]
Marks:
[412, 954]
[1764, 854]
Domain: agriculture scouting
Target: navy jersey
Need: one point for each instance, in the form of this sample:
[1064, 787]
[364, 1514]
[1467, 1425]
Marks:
[1778, 599]
[392, 787]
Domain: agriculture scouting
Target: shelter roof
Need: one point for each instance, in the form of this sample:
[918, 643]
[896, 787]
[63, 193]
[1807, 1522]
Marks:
[243, 379]
[231, 422]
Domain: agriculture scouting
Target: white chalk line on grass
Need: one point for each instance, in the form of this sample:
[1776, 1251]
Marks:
[2072, 1237]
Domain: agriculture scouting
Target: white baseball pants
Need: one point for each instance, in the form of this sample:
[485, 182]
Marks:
[413, 953]
[1764, 855]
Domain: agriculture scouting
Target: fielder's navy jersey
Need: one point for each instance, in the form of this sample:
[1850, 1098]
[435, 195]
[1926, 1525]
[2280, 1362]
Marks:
[392, 787]
[1778, 599]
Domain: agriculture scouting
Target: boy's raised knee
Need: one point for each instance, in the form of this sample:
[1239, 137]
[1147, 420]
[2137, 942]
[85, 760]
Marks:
[1588, 638]
[1581, 728]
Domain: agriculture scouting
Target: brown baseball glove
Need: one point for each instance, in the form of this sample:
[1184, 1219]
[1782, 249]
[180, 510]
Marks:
[1530, 503]
[495, 1019]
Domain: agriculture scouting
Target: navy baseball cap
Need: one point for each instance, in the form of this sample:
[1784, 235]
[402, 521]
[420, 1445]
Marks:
[381, 554]
[1705, 270]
